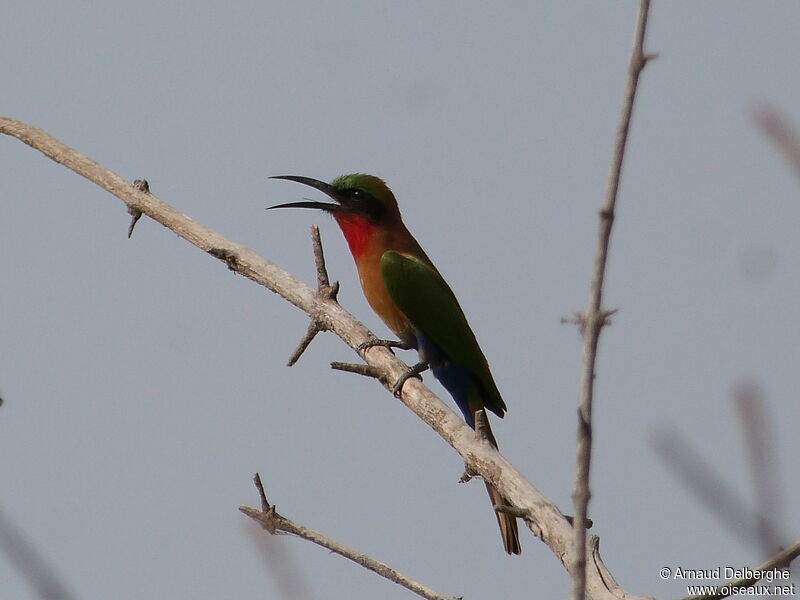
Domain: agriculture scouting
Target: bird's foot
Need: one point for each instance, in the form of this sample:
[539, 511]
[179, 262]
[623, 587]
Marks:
[385, 344]
[412, 372]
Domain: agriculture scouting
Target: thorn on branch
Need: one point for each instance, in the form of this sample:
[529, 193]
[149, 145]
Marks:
[261, 493]
[230, 257]
[267, 516]
[648, 57]
[468, 474]
[136, 214]
[580, 319]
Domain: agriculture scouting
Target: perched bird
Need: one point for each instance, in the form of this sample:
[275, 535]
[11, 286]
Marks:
[407, 292]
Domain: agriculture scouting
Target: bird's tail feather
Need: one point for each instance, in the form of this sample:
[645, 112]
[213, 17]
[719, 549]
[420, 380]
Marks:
[507, 523]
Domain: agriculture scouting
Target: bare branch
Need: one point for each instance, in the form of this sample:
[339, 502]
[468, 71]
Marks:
[780, 560]
[719, 499]
[547, 522]
[261, 492]
[313, 329]
[780, 132]
[520, 513]
[270, 520]
[30, 563]
[594, 318]
[323, 283]
[325, 290]
[751, 408]
[358, 369]
[710, 489]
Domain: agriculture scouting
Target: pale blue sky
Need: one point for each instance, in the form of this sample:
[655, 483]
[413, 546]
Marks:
[144, 383]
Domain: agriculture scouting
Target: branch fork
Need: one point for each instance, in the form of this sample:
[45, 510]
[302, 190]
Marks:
[276, 524]
[325, 293]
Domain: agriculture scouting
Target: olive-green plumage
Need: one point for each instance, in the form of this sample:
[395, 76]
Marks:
[429, 303]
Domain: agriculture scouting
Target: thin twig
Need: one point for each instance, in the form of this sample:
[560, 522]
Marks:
[521, 513]
[261, 492]
[274, 523]
[547, 521]
[710, 489]
[358, 369]
[780, 560]
[323, 283]
[21, 552]
[751, 408]
[780, 132]
[325, 290]
[724, 504]
[313, 329]
[594, 318]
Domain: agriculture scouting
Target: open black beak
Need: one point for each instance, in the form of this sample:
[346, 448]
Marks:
[326, 188]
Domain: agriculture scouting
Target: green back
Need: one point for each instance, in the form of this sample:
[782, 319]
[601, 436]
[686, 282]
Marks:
[429, 303]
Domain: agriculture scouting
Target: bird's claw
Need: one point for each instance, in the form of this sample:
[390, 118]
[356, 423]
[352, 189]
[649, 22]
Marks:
[414, 371]
[384, 344]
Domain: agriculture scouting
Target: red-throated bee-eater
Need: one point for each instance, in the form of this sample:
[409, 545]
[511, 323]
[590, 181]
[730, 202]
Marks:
[404, 288]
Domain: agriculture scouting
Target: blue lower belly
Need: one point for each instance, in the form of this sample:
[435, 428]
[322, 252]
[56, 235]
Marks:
[456, 379]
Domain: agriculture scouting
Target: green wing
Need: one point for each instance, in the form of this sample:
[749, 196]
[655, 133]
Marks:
[429, 303]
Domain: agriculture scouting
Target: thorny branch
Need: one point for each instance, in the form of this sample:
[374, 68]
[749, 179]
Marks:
[270, 520]
[594, 318]
[546, 520]
[136, 214]
[325, 290]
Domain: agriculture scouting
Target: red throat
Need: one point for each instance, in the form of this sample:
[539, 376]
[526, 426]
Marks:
[357, 230]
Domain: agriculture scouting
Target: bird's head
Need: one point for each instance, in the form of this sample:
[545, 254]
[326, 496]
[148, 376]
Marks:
[357, 195]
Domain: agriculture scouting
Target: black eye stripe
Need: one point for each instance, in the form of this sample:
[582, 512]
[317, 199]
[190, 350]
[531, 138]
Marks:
[366, 203]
